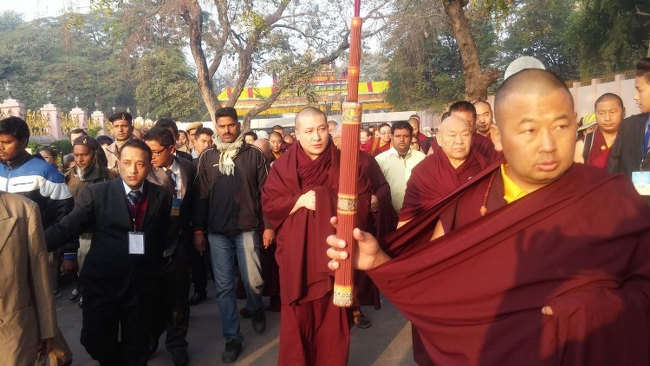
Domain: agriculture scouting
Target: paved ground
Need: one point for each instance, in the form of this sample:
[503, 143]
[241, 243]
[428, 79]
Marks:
[387, 342]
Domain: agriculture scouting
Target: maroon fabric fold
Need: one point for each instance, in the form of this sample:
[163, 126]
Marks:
[367, 146]
[476, 294]
[484, 146]
[377, 149]
[434, 178]
[382, 222]
[301, 236]
[599, 153]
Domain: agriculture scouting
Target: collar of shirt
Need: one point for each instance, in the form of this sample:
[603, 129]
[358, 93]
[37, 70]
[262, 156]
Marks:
[128, 189]
[512, 191]
[174, 168]
[392, 151]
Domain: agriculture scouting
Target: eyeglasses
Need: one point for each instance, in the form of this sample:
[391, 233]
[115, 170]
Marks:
[159, 152]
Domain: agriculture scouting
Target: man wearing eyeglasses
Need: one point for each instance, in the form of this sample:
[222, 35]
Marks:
[173, 311]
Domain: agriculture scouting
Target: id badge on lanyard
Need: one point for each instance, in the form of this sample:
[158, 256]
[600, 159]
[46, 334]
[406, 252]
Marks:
[136, 238]
[136, 242]
[641, 181]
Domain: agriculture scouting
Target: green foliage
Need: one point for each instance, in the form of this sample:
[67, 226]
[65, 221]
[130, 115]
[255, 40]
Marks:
[94, 131]
[62, 146]
[608, 35]
[69, 60]
[34, 146]
[166, 87]
[435, 77]
[537, 28]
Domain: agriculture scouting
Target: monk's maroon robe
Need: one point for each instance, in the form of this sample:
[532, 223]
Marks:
[378, 149]
[383, 221]
[312, 329]
[476, 294]
[434, 178]
[599, 153]
[367, 146]
[485, 147]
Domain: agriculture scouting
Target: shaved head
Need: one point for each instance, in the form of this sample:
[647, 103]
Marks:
[454, 137]
[307, 113]
[311, 131]
[534, 82]
[452, 121]
[265, 146]
[609, 97]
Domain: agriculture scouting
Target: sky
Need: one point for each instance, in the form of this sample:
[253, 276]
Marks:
[32, 9]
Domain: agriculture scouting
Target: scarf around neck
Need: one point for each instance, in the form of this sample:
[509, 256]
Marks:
[228, 152]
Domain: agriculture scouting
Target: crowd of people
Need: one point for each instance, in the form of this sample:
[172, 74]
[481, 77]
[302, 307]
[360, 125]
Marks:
[505, 238]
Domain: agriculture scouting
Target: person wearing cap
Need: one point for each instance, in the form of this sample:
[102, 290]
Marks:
[594, 150]
[122, 124]
[90, 168]
[191, 131]
[104, 141]
[588, 125]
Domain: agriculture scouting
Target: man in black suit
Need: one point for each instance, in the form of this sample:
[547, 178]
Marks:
[169, 124]
[176, 175]
[631, 150]
[128, 218]
[199, 264]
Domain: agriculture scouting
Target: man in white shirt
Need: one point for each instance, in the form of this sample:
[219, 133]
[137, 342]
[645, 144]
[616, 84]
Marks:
[398, 161]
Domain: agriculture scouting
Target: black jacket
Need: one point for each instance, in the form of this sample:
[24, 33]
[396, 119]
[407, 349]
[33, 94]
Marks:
[178, 224]
[228, 205]
[627, 155]
[102, 210]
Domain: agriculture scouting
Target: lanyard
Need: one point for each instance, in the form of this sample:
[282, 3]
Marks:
[136, 211]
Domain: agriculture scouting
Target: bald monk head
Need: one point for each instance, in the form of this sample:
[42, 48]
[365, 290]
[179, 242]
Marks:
[275, 139]
[609, 113]
[311, 131]
[265, 146]
[454, 137]
[535, 127]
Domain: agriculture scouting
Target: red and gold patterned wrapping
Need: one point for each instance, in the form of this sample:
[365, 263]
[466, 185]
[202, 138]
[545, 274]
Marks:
[347, 200]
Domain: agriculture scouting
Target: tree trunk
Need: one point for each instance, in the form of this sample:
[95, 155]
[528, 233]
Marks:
[193, 19]
[476, 81]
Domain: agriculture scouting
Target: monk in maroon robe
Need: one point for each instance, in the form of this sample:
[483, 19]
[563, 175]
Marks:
[596, 146]
[300, 196]
[366, 141]
[384, 142]
[383, 220]
[481, 144]
[453, 163]
[510, 278]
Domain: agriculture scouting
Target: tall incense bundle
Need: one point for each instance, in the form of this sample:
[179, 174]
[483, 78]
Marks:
[347, 195]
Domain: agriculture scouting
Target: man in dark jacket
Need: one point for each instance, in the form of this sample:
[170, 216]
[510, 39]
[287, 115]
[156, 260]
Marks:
[128, 218]
[631, 150]
[90, 168]
[173, 309]
[229, 181]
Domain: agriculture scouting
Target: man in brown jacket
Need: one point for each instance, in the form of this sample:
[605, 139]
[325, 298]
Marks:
[27, 312]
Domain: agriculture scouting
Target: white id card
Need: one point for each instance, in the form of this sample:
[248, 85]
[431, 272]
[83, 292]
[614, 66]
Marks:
[136, 242]
[641, 181]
